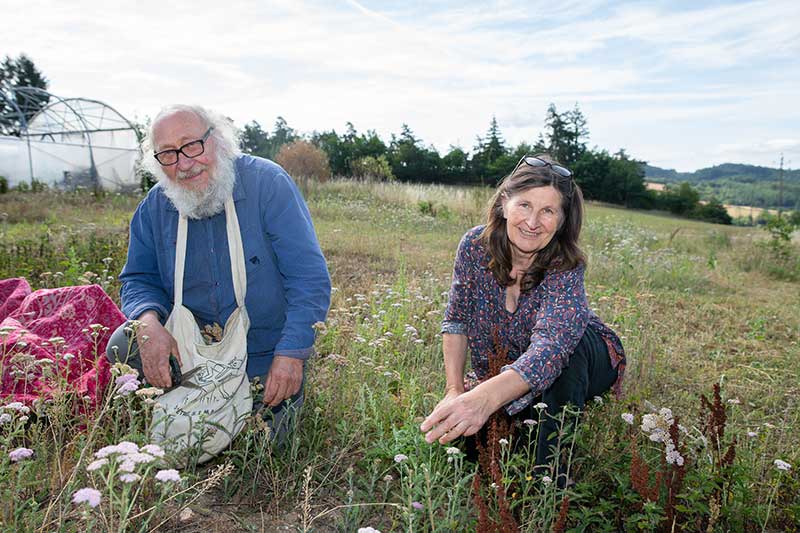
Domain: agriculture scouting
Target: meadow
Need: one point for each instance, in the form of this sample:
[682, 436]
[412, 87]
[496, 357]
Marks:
[709, 316]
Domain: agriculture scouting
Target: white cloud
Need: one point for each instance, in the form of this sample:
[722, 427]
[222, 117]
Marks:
[672, 83]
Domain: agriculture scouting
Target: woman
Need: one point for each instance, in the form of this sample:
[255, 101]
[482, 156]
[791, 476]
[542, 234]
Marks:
[518, 282]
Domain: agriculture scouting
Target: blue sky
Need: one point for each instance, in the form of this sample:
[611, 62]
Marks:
[682, 85]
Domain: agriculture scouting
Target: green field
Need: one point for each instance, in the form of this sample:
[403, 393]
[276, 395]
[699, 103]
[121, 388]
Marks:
[695, 304]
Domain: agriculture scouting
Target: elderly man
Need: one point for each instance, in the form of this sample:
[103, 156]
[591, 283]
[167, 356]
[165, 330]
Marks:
[195, 156]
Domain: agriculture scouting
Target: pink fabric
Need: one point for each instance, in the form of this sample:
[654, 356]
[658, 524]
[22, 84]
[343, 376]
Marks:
[12, 292]
[68, 313]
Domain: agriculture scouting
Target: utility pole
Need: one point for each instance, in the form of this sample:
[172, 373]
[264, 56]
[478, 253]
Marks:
[780, 188]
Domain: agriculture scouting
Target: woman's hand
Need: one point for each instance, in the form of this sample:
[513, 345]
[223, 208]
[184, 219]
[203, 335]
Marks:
[456, 415]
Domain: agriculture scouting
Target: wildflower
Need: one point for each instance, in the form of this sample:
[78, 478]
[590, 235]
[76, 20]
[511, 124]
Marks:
[97, 463]
[540, 405]
[127, 466]
[752, 434]
[416, 505]
[129, 477]
[68, 356]
[399, 458]
[503, 442]
[17, 406]
[138, 457]
[782, 465]
[5, 418]
[127, 383]
[153, 449]
[528, 477]
[19, 454]
[149, 391]
[368, 530]
[388, 478]
[598, 400]
[734, 401]
[529, 422]
[452, 450]
[127, 447]
[494, 486]
[547, 480]
[87, 495]
[168, 475]
[628, 418]
[105, 451]
[23, 418]
[674, 457]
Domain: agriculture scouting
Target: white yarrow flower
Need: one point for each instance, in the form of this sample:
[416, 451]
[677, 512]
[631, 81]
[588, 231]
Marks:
[94, 465]
[168, 475]
[782, 465]
[628, 418]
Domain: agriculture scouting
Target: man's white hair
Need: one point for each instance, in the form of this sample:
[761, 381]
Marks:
[206, 203]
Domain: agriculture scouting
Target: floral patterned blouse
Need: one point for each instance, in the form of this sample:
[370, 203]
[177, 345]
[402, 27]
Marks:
[540, 335]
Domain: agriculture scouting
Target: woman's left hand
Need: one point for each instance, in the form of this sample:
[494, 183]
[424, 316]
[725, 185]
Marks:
[460, 415]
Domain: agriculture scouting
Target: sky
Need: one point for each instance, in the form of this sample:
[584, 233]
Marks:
[679, 84]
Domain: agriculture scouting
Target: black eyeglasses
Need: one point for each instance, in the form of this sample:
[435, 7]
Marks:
[536, 162]
[191, 150]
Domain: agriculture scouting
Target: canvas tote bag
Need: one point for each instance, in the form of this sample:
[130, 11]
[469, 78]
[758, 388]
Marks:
[211, 409]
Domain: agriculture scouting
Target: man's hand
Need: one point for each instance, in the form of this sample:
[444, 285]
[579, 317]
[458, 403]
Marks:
[155, 346]
[456, 415]
[284, 380]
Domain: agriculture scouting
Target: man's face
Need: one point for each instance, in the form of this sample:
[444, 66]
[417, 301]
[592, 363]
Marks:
[174, 131]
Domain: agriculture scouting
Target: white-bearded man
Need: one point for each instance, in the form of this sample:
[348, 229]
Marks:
[194, 153]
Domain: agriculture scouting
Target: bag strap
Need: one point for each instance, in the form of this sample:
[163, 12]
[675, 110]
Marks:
[180, 259]
[235, 251]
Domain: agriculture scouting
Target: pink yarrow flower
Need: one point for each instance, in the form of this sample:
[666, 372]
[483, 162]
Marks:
[87, 495]
[129, 477]
[127, 383]
[19, 454]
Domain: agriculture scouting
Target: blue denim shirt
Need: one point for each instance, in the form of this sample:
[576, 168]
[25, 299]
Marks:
[288, 286]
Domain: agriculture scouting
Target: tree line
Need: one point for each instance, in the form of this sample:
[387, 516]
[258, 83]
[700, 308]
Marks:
[613, 178]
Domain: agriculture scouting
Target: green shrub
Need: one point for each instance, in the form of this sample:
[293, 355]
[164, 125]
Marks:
[372, 168]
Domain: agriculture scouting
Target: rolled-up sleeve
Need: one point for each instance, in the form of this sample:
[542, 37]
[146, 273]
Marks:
[301, 264]
[560, 323]
[459, 305]
[142, 288]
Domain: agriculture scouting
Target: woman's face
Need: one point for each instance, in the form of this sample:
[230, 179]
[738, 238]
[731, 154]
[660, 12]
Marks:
[532, 218]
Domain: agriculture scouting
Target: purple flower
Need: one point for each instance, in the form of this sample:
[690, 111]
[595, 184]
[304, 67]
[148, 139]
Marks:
[168, 475]
[127, 383]
[88, 495]
[399, 458]
[418, 506]
[19, 454]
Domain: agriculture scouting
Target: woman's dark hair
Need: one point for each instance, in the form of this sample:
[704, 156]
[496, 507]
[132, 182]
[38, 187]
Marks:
[562, 252]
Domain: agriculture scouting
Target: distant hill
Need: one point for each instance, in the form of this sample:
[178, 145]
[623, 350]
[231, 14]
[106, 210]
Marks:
[733, 183]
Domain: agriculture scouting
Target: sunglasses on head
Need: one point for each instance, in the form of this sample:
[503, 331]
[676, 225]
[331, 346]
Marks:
[536, 162]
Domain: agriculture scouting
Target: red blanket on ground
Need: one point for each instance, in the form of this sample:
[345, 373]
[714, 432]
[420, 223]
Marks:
[54, 340]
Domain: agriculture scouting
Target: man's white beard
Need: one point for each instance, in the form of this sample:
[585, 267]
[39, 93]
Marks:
[209, 201]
